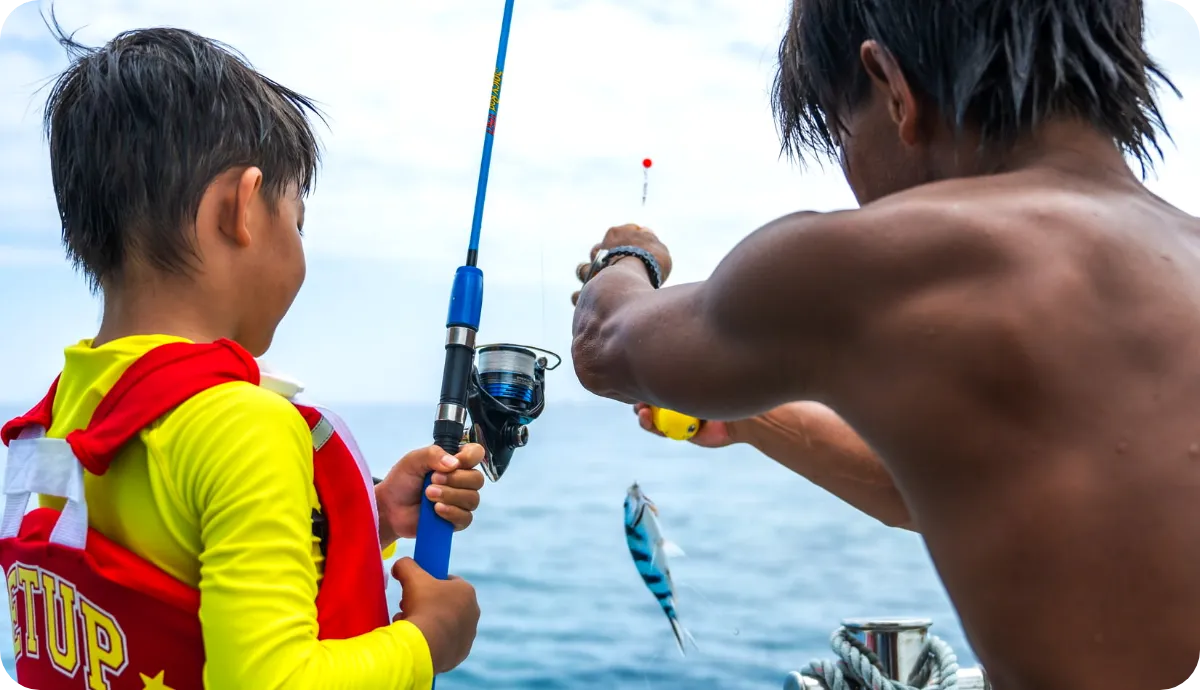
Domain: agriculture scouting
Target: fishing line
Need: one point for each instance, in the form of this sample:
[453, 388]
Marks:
[508, 373]
[707, 600]
[542, 267]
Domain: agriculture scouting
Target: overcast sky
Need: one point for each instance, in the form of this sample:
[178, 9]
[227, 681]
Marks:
[591, 87]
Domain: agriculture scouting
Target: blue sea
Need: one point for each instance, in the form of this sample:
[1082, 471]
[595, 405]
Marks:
[773, 563]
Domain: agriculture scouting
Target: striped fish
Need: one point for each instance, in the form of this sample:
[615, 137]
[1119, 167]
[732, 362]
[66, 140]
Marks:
[650, 552]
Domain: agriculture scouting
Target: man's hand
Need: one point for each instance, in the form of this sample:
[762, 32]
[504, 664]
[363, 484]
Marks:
[812, 441]
[626, 236]
[454, 491]
[445, 611]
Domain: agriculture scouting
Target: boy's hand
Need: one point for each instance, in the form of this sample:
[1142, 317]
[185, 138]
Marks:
[446, 612]
[455, 490]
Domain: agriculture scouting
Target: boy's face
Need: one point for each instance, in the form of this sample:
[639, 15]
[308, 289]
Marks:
[272, 269]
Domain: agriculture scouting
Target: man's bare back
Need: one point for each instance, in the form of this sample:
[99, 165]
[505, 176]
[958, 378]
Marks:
[1045, 434]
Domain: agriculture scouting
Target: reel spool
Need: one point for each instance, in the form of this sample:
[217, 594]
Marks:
[507, 392]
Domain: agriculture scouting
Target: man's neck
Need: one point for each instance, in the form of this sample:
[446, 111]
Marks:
[162, 308]
[1066, 147]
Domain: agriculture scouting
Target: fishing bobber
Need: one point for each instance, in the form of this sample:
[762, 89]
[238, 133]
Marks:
[646, 163]
[674, 425]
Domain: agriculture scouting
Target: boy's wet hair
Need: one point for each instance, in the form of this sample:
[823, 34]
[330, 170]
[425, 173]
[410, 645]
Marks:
[1002, 66]
[139, 129]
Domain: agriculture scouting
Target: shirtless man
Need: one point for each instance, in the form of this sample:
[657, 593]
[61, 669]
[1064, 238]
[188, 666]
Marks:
[1011, 321]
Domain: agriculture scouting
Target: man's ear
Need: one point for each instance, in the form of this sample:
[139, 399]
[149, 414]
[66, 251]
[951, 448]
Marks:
[241, 218]
[889, 80]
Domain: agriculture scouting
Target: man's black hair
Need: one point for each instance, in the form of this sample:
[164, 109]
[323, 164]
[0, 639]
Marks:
[1002, 66]
[140, 127]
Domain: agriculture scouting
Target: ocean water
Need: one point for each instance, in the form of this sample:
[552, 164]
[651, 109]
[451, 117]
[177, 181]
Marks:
[773, 563]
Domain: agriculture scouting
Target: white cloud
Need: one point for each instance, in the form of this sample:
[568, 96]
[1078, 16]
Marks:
[9, 10]
[26, 193]
[24, 256]
[591, 87]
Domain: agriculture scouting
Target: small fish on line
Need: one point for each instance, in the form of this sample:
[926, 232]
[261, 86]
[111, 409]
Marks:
[650, 552]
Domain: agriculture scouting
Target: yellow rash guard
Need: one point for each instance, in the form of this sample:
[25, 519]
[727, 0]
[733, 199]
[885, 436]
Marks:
[219, 494]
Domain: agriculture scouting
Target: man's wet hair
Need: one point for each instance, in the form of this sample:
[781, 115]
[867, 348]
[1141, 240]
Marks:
[1001, 66]
[140, 128]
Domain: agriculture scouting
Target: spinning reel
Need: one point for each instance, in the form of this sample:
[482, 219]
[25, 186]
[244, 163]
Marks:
[507, 392]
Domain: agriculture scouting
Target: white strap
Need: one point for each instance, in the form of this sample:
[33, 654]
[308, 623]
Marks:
[321, 433]
[293, 390]
[47, 466]
[343, 432]
[328, 416]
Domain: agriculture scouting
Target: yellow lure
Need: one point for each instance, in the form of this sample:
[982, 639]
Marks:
[674, 425]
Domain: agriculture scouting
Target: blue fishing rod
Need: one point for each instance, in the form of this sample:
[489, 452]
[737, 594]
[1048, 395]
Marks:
[503, 394]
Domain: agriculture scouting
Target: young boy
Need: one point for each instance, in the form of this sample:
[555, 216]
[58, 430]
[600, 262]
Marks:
[224, 535]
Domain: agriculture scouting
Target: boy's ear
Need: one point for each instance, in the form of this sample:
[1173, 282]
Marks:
[242, 224]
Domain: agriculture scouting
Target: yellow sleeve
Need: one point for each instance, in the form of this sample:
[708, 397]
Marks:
[241, 463]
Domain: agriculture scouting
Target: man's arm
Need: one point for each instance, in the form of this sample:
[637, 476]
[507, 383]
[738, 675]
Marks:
[781, 319]
[812, 441]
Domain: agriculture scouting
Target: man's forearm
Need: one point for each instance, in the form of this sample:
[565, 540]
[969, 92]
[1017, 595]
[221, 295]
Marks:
[814, 442]
[606, 293]
[760, 332]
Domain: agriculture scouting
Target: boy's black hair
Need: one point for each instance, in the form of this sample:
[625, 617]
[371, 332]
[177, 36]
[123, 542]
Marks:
[1003, 66]
[140, 127]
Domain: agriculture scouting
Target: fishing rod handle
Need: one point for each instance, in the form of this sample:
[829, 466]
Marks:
[435, 534]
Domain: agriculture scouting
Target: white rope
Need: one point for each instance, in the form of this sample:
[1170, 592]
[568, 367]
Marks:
[858, 668]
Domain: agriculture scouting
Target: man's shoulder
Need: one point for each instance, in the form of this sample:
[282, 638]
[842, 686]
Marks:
[1031, 228]
[965, 229]
[923, 234]
[992, 263]
[961, 213]
[945, 252]
[1006, 211]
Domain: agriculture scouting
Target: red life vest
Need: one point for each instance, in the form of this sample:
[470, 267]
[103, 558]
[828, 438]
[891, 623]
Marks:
[90, 615]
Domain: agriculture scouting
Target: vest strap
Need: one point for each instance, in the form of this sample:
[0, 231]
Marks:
[158, 382]
[47, 466]
[152, 386]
